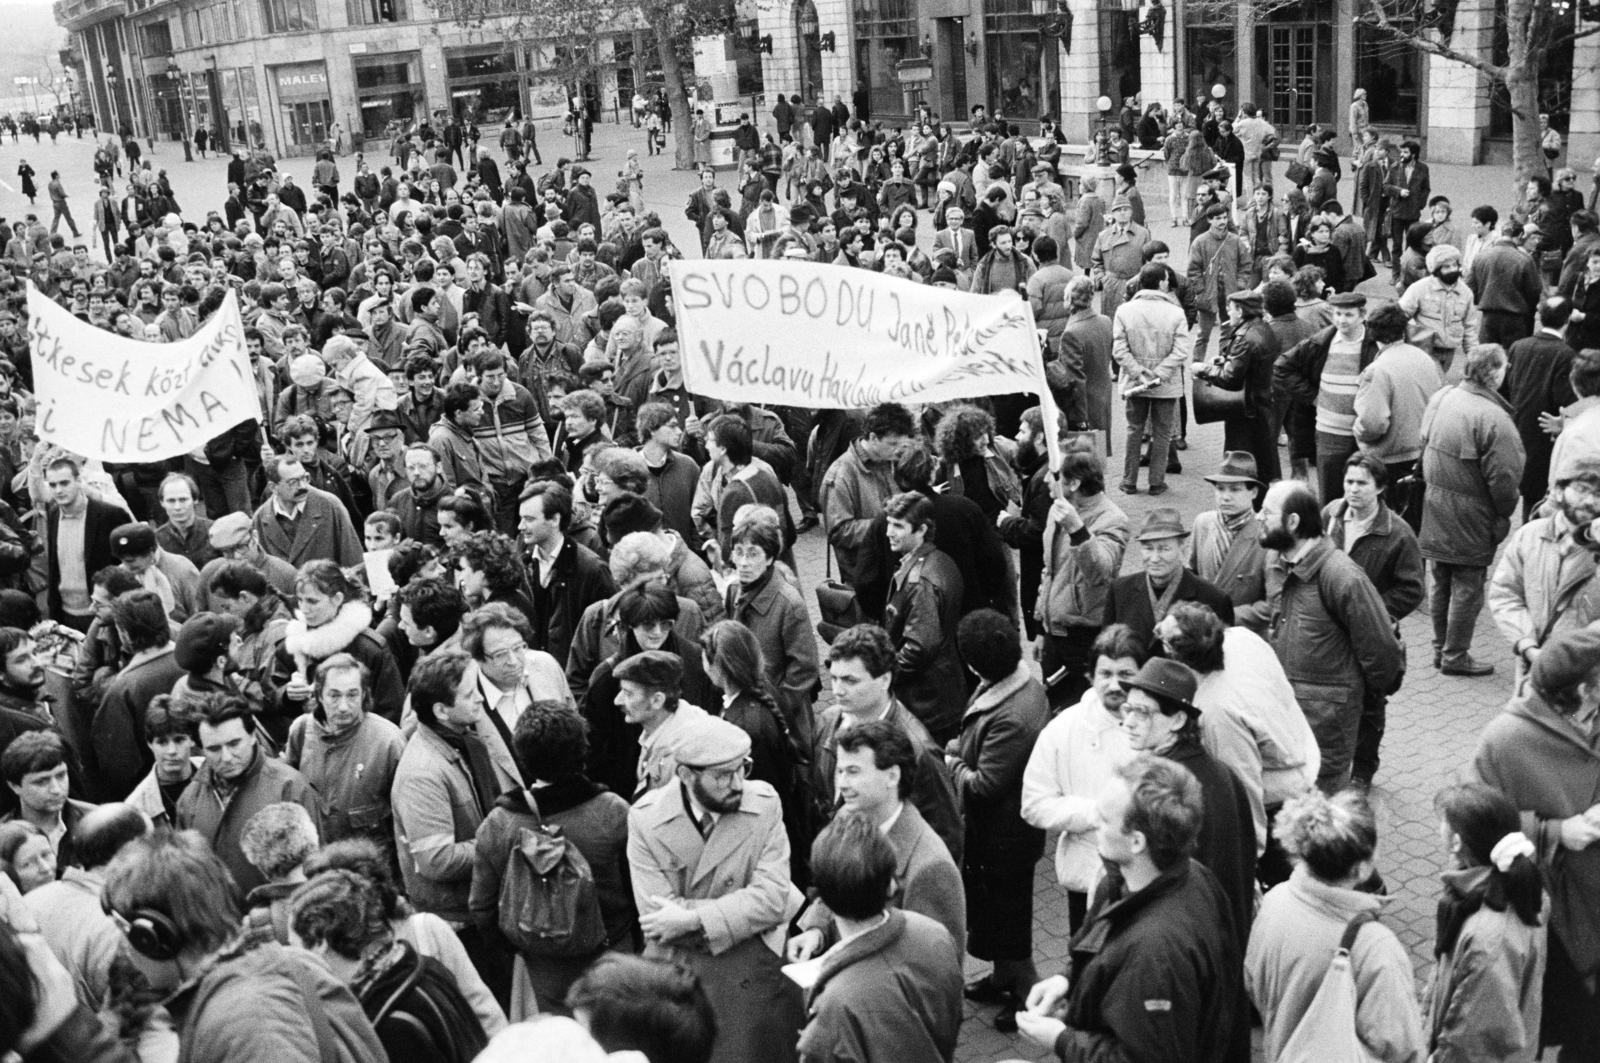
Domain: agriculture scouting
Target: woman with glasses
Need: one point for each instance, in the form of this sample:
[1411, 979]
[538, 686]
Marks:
[333, 617]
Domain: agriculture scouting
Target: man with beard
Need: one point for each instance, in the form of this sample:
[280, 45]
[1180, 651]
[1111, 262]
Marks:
[23, 706]
[417, 505]
[721, 836]
[1543, 571]
[1330, 627]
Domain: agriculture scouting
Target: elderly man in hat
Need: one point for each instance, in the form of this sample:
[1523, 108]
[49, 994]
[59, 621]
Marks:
[1160, 718]
[1142, 599]
[1321, 376]
[1539, 752]
[1225, 550]
[386, 437]
[710, 864]
[1444, 319]
[233, 537]
[1329, 625]
[1118, 255]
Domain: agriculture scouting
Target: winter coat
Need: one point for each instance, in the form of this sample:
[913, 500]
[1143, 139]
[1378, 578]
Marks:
[349, 632]
[776, 615]
[120, 757]
[1335, 640]
[998, 732]
[1227, 841]
[853, 493]
[1249, 356]
[436, 819]
[1391, 396]
[353, 774]
[1551, 771]
[1487, 993]
[1116, 261]
[893, 992]
[99, 521]
[578, 579]
[1078, 567]
[251, 1008]
[1472, 460]
[1387, 552]
[595, 821]
[1171, 945]
[1086, 225]
[615, 745]
[1151, 332]
[324, 531]
[1074, 756]
[1538, 382]
[737, 880]
[932, 792]
[1442, 318]
[1541, 577]
[921, 615]
[1080, 377]
[1242, 572]
[1218, 267]
[600, 634]
[266, 781]
[1294, 939]
[1506, 280]
[1129, 601]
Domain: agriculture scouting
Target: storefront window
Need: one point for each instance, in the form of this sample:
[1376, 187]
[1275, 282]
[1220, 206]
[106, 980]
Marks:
[885, 30]
[390, 91]
[1391, 72]
[1213, 59]
[1119, 55]
[1023, 64]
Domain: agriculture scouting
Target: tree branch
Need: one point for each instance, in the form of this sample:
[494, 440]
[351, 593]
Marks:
[1380, 19]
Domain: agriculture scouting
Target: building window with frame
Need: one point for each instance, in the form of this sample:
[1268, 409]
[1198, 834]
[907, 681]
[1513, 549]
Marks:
[373, 12]
[1391, 72]
[1120, 75]
[288, 16]
[1024, 66]
[885, 34]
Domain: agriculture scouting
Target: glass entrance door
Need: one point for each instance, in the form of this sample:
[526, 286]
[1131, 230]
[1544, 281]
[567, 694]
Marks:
[1292, 55]
[308, 123]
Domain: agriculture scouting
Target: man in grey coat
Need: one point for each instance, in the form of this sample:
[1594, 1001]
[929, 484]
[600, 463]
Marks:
[1329, 625]
[1472, 459]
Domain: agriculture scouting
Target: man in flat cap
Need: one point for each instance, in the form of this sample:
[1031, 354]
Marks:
[1142, 599]
[710, 865]
[648, 688]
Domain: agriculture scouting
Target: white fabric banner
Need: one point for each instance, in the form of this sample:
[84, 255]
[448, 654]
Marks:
[108, 397]
[829, 337]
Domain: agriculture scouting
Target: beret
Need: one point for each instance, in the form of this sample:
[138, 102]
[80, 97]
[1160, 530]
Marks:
[651, 668]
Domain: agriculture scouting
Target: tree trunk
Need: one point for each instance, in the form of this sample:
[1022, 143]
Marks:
[661, 24]
[1524, 56]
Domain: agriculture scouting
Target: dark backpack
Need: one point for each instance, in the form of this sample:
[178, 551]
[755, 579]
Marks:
[419, 1012]
[548, 902]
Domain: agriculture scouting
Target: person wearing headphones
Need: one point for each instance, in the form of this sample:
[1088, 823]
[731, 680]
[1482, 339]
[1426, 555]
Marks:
[176, 907]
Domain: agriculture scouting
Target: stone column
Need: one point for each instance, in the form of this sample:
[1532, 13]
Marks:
[1458, 95]
[1080, 73]
[1583, 138]
[1158, 67]
[838, 66]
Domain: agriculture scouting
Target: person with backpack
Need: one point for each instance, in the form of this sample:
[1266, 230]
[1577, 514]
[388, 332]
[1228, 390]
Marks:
[232, 998]
[412, 1001]
[549, 877]
[1318, 915]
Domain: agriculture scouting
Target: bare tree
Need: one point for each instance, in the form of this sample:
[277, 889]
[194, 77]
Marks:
[49, 78]
[569, 33]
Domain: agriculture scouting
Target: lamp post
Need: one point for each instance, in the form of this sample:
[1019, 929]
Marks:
[175, 74]
[1104, 161]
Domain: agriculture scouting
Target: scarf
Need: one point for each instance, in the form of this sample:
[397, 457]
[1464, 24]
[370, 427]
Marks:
[1463, 895]
[1214, 551]
[481, 767]
[1161, 605]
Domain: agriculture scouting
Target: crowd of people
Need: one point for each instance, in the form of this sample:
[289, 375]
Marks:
[470, 703]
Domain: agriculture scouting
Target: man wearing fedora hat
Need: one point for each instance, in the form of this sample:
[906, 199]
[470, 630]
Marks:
[1160, 717]
[1141, 599]
[386, 435]
[1226, 549]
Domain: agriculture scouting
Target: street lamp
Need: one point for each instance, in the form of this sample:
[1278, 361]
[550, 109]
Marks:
[1102, 139]
[175, 73]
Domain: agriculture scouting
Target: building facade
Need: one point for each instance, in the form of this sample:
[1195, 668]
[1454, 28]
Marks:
[290, 75]
[1300, 63]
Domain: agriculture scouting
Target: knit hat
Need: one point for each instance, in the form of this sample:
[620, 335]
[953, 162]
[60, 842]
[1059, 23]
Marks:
[1442, 254]
[308, 370]
[1566, 660]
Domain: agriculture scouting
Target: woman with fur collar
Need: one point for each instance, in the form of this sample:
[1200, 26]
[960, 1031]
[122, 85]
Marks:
[333, 617]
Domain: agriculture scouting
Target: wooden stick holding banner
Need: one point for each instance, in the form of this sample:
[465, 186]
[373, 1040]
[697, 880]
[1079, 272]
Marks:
[107, 397]
[825, 337]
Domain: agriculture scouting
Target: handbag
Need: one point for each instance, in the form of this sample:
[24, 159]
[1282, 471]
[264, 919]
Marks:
[836, 601]
[1298, 174]
[1211, 403]
[1326, 1033]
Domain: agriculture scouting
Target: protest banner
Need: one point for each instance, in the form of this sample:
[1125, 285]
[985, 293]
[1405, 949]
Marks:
[108, 397]
[825, 337]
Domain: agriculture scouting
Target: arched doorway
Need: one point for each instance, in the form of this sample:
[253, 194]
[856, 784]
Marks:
[808, 32]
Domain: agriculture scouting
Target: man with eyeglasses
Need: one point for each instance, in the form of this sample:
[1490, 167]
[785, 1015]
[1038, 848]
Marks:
[234, 539]
[299, 523]
[710, 865]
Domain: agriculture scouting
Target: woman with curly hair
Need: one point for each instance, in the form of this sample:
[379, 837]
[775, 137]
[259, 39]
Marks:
[1305, 921]
[487, 567]
[333, 617]
[965, 441]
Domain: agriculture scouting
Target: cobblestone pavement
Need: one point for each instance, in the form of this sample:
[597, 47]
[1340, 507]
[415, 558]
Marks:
[1433, 722]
